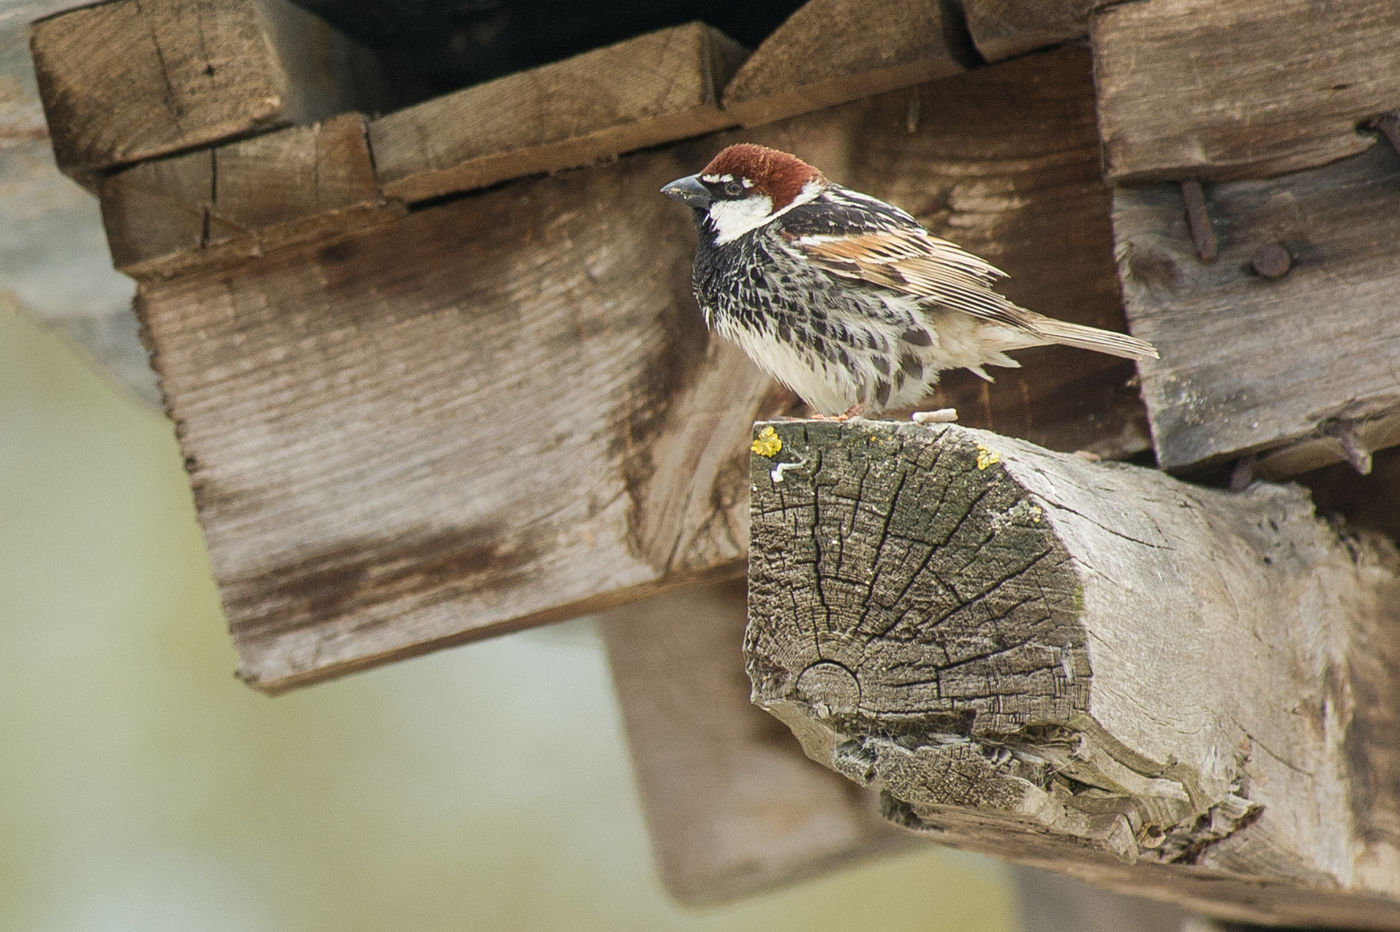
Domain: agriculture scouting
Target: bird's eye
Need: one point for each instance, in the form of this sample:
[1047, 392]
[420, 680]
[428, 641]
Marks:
[733, 189]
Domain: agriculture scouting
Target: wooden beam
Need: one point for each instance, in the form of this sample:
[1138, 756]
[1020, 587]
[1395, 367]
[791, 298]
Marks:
[241, 199]
[644, 91]
[833, 51]
[1006, 28]
[1201, 89]
[128, 80]
[1296, 369]
[731, 803]
[499, 411]
[1088, 667]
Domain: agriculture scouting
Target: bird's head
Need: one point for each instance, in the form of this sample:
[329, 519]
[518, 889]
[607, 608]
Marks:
[744, 187]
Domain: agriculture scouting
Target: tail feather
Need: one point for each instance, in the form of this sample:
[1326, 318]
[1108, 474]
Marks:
[1092, 338]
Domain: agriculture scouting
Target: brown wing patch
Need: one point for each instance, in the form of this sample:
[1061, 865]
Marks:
[923, 266]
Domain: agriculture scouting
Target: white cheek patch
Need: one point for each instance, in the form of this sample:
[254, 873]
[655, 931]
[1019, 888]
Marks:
[732, 219]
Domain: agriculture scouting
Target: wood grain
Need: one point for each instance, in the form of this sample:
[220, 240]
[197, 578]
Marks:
[1246, 89]
[1089, 667]
[499, 411]
[241, 199]
[731, 803]
[833, 51]
[1284, 368]
[129, 80]
[652, 89]
[1005, 28]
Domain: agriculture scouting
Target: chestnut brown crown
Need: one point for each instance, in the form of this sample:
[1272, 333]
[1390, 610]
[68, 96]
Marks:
[778, 175]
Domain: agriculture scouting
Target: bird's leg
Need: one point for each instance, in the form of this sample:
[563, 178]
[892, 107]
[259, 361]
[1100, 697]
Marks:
[853, 411]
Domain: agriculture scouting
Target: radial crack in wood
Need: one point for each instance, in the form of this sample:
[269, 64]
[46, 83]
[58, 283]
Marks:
[1091, 667]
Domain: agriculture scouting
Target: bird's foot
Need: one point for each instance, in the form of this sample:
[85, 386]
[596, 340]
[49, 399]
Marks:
[940, 416]
[853, 411]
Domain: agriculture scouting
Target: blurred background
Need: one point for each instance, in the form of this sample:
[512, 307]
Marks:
[143, 787]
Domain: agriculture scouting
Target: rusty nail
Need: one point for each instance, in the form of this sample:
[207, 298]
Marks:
[1389, 126]
[1199, 220]
[1271, 260]
[1346, 433]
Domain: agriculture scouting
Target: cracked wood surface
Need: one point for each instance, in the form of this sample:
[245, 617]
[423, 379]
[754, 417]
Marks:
[243, 199]
[1299, 371]
[1245, 89]
[1089, 667]
[129, 80]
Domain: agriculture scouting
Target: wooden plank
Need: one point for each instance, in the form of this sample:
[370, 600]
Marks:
[1285, 368]
[833, 51]
[1004, 161]
[499, 411]
[335, 398]
[240, 199]
[128, 80]
[1005, 28]
[652, 89]
[1089, 667]
[1202, 89]
[731, 803]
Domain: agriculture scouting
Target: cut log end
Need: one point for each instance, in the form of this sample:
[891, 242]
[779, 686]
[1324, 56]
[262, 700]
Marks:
[1052, 659]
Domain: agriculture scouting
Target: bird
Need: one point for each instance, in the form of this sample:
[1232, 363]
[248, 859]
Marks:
[846, 299]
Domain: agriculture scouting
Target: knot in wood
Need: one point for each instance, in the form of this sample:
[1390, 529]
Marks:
[829, 689]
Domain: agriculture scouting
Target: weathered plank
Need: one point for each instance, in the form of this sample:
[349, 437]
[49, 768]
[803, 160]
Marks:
[498, 411]
[833, 51]
[1202, 89]
[128, 80]
[641, 92]
[241, 199]
[731, 803]
[1006, 28]
[1089, 667]
[1300, 369]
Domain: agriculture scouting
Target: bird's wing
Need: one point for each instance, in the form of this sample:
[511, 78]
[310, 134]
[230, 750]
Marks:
[916, 263]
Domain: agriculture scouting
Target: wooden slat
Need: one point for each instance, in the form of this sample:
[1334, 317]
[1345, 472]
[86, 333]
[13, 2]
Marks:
[1006, 28]
[1249, 88]
[1089, 667]
[731, 803]
[129, 80]
[1291, 369]
[240, 199]
[832, 51]
[651, 89]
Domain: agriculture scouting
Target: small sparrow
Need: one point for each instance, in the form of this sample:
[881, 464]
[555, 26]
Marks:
[845, 299]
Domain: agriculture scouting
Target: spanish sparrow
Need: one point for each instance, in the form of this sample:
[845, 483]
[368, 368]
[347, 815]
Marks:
[843, 298]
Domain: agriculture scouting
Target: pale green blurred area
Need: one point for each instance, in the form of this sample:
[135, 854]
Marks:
[143, 787]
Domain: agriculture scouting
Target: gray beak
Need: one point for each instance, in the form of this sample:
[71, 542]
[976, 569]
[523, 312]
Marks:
[689, 191]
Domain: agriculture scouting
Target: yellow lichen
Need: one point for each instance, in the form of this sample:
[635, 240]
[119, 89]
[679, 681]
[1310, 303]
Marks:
[767, 443]
[986, 457]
